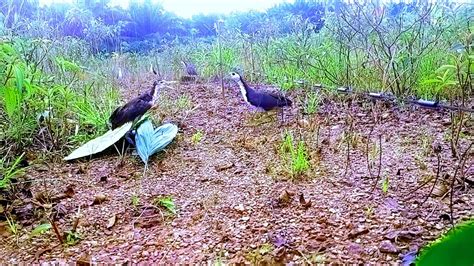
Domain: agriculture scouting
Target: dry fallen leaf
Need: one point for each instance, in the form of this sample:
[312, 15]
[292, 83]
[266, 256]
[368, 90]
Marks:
[84, 261]
[222, 167]
[358, 231]
[285, 197]
[69, 191]
[40, 197]
[240, 208]
[304, 203]
[111, 222]
[99, 199]
[440, 189]
[387, 247]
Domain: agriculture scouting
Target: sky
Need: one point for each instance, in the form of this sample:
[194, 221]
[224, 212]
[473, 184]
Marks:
[188, 8]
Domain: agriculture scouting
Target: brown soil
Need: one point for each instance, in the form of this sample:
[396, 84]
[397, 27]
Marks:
[236, 200]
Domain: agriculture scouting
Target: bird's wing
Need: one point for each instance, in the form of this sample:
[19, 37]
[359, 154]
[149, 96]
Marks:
[114, 114]
[193, 70]
[129, 112]
[280, 99]
[276, 95]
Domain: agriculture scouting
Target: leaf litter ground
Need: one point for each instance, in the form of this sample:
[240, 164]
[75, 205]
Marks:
[235, 200]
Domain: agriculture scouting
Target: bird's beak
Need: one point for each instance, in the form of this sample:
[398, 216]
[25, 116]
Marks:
[167, 83]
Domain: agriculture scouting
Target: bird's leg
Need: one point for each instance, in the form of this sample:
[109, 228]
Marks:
[129, 137]
[282, 113]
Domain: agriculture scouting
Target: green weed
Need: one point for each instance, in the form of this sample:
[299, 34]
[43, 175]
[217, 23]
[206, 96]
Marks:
[197, 137]
[312, 103]
[296, 158]
[167, 203]
[385, 185]
[135, 201]
[9, 171]
[369, 211]
[184, 102]
[72, 238]
[316, 258]
[40, 229]
[299, 159]
[12, 226]
[259, 254]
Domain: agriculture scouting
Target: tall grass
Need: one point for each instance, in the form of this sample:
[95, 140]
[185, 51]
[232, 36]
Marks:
[294, 157]
[62, 101]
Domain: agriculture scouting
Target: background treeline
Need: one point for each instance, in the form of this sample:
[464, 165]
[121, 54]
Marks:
[143, 25]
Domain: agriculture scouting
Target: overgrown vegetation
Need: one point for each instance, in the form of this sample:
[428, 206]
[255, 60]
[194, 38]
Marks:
[49, 110]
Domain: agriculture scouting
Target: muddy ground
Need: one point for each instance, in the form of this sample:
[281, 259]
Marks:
[236, 198]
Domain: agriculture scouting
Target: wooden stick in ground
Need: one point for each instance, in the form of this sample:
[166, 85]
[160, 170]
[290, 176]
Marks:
[59, 236]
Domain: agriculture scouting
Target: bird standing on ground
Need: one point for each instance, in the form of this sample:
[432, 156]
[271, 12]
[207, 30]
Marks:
[265, 100]
[136, 107]
[189, 68]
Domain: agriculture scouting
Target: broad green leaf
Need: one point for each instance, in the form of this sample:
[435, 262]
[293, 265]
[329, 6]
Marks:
[40, 229]
[100, 143]
[149, 141]
[455, 248]
[167, 203]
[8, 49]
[20, 77]
[11, 101]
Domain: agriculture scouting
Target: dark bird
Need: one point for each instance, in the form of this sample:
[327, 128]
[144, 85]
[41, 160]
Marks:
[189, 68]
[136, 107]
[265, 100]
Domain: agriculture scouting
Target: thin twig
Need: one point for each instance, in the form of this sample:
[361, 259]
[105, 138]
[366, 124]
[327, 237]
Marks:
[436, 179]
[369, 167]
[167, 252]
[380, 163]
[463, 157]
